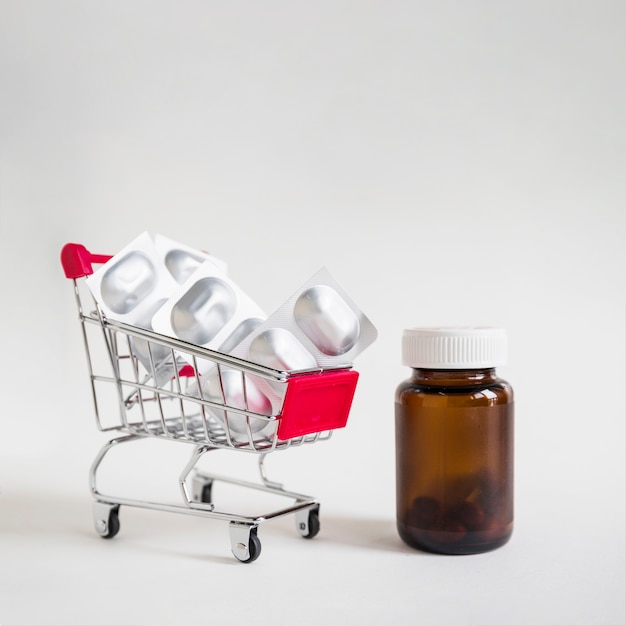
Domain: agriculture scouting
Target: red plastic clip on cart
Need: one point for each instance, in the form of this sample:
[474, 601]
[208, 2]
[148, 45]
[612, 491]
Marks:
[130, 397]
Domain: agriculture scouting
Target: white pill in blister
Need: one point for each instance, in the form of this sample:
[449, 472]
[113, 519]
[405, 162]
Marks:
[182, 264]
[279, 349]
[327, 320]
[127, 283]
[239, 334]
[203, 310]
[230, 391]
[140, 346]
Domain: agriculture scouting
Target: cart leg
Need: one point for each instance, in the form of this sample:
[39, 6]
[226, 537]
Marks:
[198, 494]
[106, 519]
[308, 521]
[245, 545]
[266, 481]
[93, 473]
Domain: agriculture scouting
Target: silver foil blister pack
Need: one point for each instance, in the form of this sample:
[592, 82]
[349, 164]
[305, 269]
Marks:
[318, 327]
[181, 292]
[209, 310]
[135, 283]
[181, 260]
[130, 288]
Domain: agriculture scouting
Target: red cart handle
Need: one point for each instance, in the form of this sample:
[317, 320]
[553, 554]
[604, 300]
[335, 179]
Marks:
[77, 261]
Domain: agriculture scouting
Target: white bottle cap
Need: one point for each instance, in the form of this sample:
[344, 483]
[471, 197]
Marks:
[454, 348]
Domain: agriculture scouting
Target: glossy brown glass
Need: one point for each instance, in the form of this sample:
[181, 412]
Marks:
[454, 460]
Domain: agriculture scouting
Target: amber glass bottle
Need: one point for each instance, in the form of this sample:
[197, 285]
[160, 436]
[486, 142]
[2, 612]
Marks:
[454, 442]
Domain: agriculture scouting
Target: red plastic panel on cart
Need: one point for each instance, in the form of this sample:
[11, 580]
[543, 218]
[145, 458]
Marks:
[317, 402]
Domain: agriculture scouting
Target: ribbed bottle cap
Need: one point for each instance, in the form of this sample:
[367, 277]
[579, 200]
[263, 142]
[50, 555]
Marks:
[454, 348]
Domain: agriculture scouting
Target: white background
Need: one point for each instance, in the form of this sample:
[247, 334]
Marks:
[449, 162]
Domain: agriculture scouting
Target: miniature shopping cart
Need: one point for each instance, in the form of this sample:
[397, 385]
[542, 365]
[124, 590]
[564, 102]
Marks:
[163, 398]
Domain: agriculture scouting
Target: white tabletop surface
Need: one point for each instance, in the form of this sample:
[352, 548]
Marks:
[450, 163]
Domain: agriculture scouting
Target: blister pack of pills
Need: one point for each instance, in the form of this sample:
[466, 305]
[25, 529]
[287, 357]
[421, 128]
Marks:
[130, 288]
[247, 392]
[180, 292]
[131, 284]
[209, 310]
[319, 326]
[135, 283]
[182, 260]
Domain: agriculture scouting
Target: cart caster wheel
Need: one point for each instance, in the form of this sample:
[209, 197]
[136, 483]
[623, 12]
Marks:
[202, 490]
[246, 546]
[206, 494]
[308, 522]
[107, 520]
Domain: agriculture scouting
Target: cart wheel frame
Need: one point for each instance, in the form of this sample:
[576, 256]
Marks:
[206, 495]
[245, 544]
[106, 519]
[308, 522]
[202, 489]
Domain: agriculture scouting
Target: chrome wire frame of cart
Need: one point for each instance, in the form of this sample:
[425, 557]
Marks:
[159, 390]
